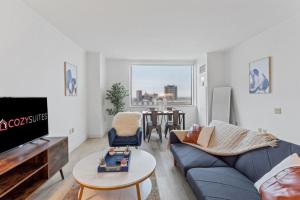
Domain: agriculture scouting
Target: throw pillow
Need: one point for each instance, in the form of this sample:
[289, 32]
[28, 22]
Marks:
[205, 135]
[193, 134]
[291, 161]
[283, 186]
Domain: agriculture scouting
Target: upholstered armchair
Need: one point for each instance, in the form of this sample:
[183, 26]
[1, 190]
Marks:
[126, 130]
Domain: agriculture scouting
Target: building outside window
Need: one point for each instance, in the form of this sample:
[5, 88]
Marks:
[156, 85]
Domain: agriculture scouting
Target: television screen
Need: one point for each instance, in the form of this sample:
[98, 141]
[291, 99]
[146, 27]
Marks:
[22, 120]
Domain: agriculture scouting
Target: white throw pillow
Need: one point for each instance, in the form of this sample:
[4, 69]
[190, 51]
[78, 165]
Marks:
[205, 135]
[290, 161]
[127, 123]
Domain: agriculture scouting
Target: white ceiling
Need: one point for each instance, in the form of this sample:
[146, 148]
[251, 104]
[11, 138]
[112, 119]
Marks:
[162, 29]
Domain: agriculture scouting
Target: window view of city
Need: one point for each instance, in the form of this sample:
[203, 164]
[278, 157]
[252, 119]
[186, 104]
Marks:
[157, 85]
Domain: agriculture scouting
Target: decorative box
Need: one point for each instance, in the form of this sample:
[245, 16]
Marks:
[113, 162]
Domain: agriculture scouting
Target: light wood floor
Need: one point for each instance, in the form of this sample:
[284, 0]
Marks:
[171, 182]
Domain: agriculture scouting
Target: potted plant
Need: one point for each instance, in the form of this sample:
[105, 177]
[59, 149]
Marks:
[116, 96]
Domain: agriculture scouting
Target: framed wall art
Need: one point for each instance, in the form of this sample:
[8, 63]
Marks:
[259, 76]
[70, 79]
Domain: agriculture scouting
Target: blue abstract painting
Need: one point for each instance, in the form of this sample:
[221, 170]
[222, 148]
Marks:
[70, 79]
[259, 76]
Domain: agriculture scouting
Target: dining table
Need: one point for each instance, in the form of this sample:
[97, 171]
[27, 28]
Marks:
[161, 113]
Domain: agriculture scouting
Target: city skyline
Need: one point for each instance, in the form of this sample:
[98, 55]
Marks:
[165, 94]
[153, 79]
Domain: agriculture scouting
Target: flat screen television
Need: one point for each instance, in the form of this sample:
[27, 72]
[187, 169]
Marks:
[22, 120]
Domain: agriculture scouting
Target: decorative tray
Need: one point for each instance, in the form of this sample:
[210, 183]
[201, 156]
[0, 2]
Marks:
[113, 162]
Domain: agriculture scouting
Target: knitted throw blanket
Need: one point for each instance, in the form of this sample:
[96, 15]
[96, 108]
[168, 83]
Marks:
[230, 140]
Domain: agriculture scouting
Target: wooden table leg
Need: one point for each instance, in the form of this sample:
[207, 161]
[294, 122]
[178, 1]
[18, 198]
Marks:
[80, 192]
[144, 127]
[62, 174]
[183, 123]
[138, 191]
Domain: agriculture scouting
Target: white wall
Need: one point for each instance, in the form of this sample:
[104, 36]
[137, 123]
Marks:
[201, 88]
[119, 71]
[282, 43]
[103, 87]
[32, 55]
[96, 93]
[215, 76]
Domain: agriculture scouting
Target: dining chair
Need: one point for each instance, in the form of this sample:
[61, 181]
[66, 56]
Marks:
[175, 124]
[169, 117]
[153, 124]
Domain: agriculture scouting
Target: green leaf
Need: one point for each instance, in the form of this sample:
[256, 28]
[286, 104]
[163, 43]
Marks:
[116, 96]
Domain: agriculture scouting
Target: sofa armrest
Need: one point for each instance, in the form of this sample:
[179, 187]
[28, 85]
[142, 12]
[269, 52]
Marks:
[173, 138]
[112, 134]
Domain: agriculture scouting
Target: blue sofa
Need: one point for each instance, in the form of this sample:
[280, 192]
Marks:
[227, 178]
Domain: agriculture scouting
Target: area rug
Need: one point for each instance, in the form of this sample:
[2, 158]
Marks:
[154, 194]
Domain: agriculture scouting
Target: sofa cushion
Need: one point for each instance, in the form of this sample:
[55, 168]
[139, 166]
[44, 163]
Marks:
[129, 140]
[188, 157]
[221, 183]
[256, 163]
[230, 160]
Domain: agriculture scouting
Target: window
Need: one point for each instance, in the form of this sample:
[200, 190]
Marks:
[153, 85]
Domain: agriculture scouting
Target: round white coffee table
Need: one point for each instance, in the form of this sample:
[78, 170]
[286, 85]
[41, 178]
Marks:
[141, 167]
